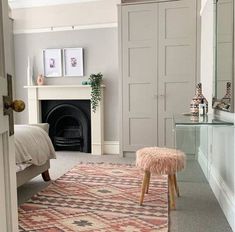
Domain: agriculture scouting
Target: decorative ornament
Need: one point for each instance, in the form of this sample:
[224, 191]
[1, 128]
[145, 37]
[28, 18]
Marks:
[225, 103]
[227, 97]
[30, 80]
[40, 79]
[198, 99]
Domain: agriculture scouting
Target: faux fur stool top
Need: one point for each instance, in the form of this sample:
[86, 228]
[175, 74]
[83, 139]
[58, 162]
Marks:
[160, 160]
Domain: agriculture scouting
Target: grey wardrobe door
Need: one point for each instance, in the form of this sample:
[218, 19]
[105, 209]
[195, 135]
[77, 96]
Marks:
[177, 63]
[139, 76]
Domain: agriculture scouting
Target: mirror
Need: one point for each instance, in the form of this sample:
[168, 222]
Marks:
[224, 52]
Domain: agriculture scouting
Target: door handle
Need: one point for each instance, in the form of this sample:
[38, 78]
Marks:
[10, 105]
[17, 105]
[158, 95]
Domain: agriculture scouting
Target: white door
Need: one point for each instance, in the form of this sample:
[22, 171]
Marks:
[177, 64]
[8, 197]
[139, 83]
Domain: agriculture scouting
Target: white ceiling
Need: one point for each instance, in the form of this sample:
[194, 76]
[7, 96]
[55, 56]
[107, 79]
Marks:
[16, 4]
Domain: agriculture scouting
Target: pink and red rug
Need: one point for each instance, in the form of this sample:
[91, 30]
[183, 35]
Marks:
[97, 198]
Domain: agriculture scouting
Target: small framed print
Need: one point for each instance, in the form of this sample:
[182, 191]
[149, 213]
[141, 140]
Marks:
[52, 60]
[73, 62]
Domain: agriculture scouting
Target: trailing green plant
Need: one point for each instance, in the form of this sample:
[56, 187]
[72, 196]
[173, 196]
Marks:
[95, 81]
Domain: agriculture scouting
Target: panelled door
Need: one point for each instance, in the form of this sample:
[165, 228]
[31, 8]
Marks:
[158, 59]
[8, 197]
[177, 63]
[139, 86]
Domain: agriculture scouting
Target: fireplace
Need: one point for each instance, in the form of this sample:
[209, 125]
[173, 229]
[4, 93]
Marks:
[70, 124]
[38, 94]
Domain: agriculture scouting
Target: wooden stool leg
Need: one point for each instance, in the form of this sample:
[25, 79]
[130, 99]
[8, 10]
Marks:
[176, 186]
[171, 191]
[148, 182]
[144, 185]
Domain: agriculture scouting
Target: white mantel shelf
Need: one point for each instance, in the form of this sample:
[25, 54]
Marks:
[68, 92]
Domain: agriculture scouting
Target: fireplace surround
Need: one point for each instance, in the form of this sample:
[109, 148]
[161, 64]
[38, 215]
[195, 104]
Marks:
[38, 94]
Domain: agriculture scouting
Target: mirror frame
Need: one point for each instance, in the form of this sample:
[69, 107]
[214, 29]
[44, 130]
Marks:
[215, 30]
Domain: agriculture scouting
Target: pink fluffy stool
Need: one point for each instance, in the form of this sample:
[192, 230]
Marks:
[160, 161]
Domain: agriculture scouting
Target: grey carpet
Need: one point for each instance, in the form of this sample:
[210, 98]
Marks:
[197, 208]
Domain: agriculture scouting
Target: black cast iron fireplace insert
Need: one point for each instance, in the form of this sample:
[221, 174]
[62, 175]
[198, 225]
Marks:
[70, 124]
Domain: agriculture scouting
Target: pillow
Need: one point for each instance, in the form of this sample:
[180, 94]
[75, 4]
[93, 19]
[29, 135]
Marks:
[44, 126]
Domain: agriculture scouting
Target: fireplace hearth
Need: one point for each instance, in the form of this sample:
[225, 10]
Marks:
[70, 124]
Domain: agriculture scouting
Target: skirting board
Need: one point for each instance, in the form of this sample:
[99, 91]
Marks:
[202, 160]
[222, 193]
[111, 147]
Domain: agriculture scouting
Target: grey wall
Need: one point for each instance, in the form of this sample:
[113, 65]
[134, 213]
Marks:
[100, 55]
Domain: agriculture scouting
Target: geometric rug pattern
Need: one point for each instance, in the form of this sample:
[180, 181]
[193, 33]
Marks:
[98, 198]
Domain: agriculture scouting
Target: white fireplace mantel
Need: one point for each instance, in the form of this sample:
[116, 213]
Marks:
[68, 92]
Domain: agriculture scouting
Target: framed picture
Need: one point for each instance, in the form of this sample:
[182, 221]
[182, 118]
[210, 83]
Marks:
[73, 62]
[52, 61]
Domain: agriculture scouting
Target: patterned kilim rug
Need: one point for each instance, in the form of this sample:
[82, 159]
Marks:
[97, 198]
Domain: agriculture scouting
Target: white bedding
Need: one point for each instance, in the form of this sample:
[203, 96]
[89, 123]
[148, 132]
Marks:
[32, 146]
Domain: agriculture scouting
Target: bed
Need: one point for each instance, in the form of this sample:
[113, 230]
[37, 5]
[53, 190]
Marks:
[33, 149]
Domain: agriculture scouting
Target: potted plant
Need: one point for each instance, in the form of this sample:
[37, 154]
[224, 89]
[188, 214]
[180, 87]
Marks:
[95, 82]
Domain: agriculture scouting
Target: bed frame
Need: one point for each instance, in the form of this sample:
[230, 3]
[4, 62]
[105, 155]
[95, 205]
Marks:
[32, 171]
